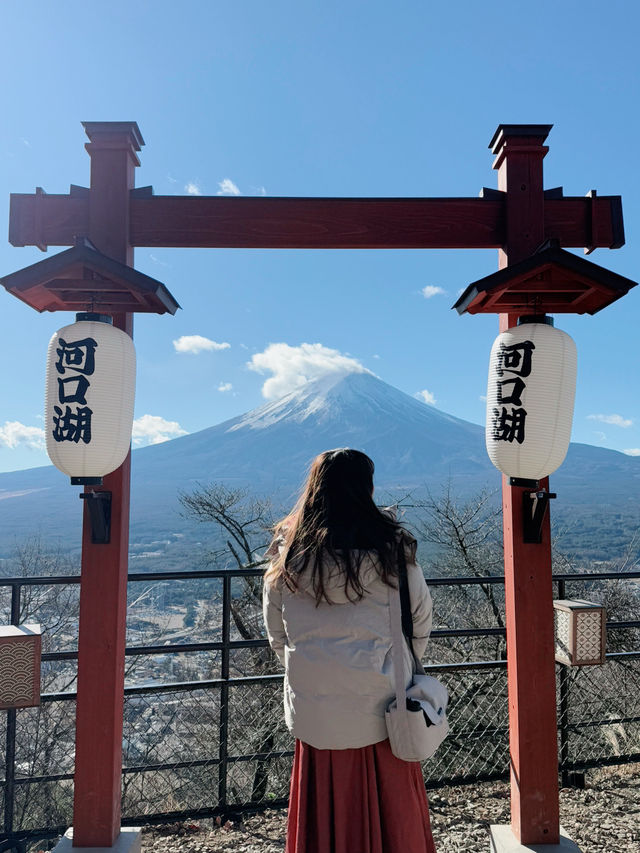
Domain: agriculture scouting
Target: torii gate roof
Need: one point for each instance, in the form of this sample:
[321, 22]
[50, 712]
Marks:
[81, 277]
[551, 281]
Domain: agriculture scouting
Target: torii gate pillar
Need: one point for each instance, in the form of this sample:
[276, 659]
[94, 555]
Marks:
[103, 590]
[527, 567]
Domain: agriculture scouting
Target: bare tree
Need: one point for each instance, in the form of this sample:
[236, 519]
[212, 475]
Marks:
[467, 536]
[242, 524]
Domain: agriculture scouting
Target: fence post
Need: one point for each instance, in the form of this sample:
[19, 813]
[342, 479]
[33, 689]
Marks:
[10, 754]
[224, 692]
[564, 710]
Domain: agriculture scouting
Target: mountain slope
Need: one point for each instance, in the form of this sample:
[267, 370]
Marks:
[273, 444]
[269, 448]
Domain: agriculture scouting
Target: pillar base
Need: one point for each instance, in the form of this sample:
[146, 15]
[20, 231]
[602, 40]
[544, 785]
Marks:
[129, 841]
[504, 841]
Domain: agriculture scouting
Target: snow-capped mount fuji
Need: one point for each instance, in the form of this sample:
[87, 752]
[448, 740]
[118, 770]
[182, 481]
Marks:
[269, 448]
[272, 445]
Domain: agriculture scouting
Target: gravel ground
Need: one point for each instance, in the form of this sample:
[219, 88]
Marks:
[602, 818]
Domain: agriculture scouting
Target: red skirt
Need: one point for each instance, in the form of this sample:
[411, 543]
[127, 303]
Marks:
[357, 801]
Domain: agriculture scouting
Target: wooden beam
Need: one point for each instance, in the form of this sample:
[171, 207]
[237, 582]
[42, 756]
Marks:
[47, 220]
[315, 223]
[585, 222]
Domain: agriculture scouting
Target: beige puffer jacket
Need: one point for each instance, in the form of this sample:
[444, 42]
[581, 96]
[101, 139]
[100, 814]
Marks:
[337, 657]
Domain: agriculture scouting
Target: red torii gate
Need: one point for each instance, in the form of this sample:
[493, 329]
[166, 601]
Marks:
[516, 219]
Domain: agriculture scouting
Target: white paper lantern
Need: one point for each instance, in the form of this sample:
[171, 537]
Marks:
[530, 396]
[90, 391]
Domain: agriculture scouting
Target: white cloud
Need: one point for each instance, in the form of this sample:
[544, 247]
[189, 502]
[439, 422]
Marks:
[632, 451]
[227, 187]
[614, 420]
[197, 343]
[426, 397]
[192, 188]
[14, 434]
[430, 290]
[225, 386]
[483, 397]
[152, 429]
[293, 366]
[601, 436]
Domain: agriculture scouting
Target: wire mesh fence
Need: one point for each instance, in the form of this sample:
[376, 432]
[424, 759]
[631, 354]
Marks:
[203, 729]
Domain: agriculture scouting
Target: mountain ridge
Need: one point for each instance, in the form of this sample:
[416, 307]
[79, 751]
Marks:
[268, 449]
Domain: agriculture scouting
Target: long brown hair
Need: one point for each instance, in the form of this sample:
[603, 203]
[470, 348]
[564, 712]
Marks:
[335, 523]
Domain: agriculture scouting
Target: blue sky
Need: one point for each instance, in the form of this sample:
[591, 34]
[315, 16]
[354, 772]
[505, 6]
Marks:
[319, 99]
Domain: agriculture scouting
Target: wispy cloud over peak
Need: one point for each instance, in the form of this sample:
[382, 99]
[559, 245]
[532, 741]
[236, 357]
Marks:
[195, 344]
[426, 397]
[227, 187]
[291, 366]
[632, 451]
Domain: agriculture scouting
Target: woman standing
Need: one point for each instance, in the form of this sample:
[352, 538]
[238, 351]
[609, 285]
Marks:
[334, 563]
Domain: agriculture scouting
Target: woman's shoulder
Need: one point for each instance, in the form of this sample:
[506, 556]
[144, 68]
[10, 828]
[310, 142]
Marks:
[409, 543]
[275, 547]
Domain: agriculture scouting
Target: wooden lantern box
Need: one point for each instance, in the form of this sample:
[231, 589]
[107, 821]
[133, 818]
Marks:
[581, 628]
[20, 653]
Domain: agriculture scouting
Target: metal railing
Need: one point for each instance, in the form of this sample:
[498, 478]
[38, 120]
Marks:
[217, 746]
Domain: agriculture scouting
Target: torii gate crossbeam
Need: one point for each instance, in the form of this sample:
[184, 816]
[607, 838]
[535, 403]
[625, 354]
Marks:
[517, 218]
[316, 223]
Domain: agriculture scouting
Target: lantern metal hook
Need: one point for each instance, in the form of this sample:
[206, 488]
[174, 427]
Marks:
[534, 507]
[99, 506]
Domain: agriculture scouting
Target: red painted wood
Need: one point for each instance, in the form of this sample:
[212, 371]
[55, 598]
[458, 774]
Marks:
[339, 223]
[531, 673]
[101, 645]
[186, 221]
[103, 590]
[527, 568]
[50, 220]
[569, 221]
[554, 289]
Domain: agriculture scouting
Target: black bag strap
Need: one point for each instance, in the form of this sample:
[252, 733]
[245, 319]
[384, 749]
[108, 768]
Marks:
[405, 608]
[405, 601]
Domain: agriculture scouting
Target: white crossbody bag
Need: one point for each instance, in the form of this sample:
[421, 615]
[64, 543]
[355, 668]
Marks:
[417, 718]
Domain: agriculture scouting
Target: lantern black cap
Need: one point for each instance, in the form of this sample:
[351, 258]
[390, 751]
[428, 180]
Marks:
[91, 316]
[536, 318]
